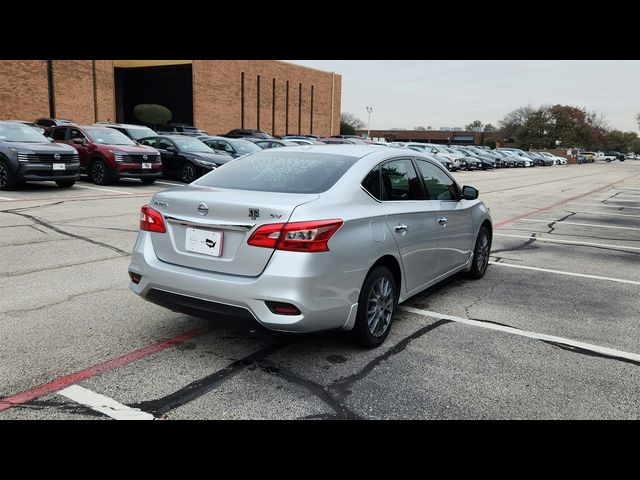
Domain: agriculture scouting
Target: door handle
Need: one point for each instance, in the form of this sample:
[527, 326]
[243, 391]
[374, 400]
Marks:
[443, 221]
[401, 228]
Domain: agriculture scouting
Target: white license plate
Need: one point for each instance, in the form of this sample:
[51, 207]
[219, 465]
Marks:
[146, 165]
[203, 241]
[59, 166]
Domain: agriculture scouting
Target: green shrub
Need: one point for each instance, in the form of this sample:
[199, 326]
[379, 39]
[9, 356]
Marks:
[489, 142]
[152, 114]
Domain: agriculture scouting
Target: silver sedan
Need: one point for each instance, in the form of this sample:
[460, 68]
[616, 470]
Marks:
[310, 238]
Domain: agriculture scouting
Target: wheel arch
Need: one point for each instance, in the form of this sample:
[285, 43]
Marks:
[392, 264]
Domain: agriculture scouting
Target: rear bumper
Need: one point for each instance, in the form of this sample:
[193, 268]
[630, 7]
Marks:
[327, 300]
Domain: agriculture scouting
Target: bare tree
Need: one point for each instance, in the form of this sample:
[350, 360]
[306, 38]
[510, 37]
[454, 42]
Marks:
[351, 120]
[513, 120]
[474, 124]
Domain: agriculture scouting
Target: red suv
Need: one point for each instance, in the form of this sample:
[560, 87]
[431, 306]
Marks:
[107, 154]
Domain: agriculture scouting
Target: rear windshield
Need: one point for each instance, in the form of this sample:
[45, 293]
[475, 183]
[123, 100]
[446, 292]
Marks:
[283, 172]
[140, 132]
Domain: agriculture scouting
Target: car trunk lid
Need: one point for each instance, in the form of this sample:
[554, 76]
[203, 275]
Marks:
[219, 221]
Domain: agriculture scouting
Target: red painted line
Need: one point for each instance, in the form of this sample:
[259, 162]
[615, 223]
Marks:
[557, 204]
[63, 382]
[79, 197]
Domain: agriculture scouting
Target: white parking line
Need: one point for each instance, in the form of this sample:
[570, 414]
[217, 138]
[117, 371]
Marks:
[524, 333]
[103, 404]
[601, 205]
[572, 274]
[104, 189]
[563, 222]
[5, 198]
[573, 242]
[169, 183]
[608, 214]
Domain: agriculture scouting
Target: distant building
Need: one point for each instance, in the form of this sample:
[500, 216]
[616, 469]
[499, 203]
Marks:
[451, 136]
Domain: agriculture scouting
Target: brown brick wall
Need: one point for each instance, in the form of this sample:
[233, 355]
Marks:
[216, 96]
[23, 89]
[105, 91]
[73, 90]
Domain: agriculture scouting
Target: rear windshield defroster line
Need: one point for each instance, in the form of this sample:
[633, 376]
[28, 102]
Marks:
[281, 172]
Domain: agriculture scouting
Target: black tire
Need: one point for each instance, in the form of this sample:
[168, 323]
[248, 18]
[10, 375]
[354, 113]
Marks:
[188, 172]
[99, 173]
[608, 160]
[148, 181]
[381, 284]
[481, 253]
[7, 177]
[65, 183]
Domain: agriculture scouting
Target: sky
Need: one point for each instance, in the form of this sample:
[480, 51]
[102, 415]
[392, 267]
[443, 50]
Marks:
[453, 93]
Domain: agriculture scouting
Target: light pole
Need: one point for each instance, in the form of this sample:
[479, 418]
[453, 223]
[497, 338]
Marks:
[369, 110]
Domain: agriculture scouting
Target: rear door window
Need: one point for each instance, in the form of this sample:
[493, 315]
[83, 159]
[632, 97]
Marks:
[400, 181]
[371, 183]
[59, 133]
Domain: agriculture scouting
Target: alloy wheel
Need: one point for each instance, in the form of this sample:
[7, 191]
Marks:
[97, 172]
[380, 306]
[482, 255]
[4, 175]
[188, 173]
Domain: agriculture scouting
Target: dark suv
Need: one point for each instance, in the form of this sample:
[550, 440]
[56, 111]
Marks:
[107, 155]
[134, 132]
[246, 132]
[53, 122]
[27, 155]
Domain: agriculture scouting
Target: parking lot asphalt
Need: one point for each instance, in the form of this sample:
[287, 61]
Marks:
[551, 332]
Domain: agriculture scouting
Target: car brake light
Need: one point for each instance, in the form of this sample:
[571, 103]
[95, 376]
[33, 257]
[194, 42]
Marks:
[297, 236]
[266, 235]
[151, 220]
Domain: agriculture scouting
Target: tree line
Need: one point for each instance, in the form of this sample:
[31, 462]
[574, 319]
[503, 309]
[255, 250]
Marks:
[548, 126]
[564, 126]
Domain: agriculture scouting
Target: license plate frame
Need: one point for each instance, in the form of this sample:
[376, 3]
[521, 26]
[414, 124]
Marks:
[205, 242]
[59, 166]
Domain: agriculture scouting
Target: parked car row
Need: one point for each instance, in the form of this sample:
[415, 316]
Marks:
[471, 157]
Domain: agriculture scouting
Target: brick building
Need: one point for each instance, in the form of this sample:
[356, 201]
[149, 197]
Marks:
[213, 95]
[453, 137]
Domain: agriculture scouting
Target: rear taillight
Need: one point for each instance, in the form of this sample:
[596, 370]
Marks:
[297, 236]
[266, 236]
[151, 220]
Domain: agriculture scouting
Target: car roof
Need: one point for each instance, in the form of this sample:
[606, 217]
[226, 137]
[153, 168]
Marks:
[126, 125]
[172, 137]
[357, 151]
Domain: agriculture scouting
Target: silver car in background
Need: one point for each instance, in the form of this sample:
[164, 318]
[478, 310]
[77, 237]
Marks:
[310, 238]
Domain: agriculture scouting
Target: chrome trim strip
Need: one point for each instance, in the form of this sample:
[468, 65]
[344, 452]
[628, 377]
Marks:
[242, 227]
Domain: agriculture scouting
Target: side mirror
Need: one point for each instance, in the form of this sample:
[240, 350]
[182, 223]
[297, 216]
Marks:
[469, 193]
[171, 149]
[78, 141]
